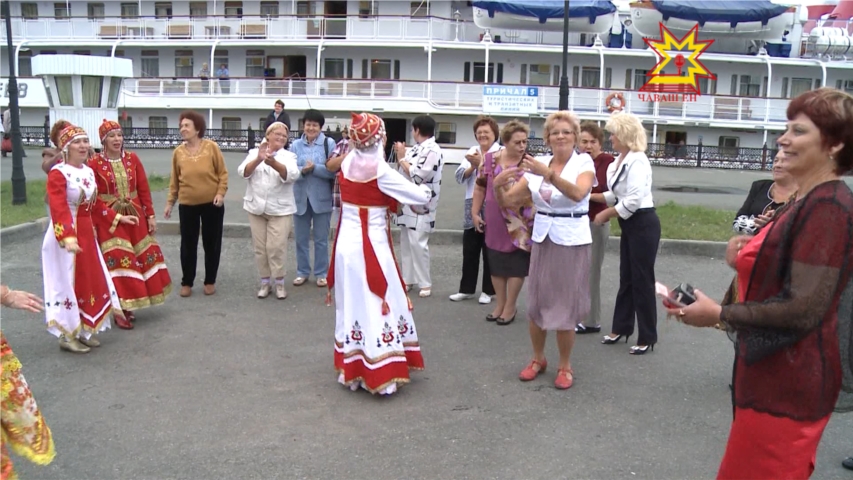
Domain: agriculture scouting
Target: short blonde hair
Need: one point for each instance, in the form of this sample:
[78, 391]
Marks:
[561, 116]
[511, 128]
[274, 127]
[630, 131]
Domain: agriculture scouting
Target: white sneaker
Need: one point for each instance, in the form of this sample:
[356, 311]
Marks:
[458, 297]
[264, 291]
[485, 299]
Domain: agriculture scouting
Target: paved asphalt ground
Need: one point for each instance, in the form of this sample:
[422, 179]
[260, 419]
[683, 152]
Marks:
[231, 386]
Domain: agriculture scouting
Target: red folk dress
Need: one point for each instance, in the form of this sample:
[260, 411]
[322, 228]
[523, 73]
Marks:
[788, 367]
[133, 257]
[79, 293]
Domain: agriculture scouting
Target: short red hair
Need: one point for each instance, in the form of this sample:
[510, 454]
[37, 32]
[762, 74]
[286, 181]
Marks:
[831, 110]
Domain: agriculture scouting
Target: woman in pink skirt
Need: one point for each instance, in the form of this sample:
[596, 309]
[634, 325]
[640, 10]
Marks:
[559, 187]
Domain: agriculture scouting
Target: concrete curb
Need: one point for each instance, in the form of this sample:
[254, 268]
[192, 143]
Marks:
[24, 231]
[439, 237]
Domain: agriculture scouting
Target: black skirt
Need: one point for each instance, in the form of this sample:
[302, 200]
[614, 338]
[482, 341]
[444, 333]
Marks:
[509, 264]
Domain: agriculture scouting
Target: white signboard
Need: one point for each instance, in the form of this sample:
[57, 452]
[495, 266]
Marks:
[510, 100]
[30, 93]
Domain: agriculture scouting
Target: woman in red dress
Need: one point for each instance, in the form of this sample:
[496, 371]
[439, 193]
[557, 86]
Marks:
[792, 317]
[133, 257]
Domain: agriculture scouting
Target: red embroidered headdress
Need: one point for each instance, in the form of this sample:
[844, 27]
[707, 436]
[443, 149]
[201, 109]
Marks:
[366, 130]
[107, 127]
[69, 134]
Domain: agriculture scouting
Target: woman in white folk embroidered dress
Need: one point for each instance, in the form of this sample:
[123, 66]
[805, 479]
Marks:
[78, 290]
[376, 343]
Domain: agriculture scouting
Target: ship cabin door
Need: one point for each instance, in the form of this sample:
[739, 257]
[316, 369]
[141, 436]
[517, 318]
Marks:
[292, 67]
[676, 142]
[335, 19]
[396, 131]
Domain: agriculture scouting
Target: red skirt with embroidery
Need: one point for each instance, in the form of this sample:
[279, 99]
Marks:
[136, 264]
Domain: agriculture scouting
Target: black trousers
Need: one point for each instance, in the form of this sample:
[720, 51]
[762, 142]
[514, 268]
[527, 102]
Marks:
[473, 246]
[638, 251]
[207, 218]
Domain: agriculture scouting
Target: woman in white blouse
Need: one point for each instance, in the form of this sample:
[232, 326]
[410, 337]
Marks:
[270, 171]
[629, 179]
[558, 290]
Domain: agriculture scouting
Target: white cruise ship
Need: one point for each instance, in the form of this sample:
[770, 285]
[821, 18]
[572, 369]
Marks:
[405, 58]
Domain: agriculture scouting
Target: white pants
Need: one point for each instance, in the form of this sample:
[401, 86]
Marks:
[414, 248]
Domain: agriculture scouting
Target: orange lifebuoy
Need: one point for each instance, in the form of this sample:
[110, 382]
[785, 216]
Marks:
[615, 102]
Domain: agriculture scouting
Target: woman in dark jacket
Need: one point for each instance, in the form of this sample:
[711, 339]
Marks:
[764, 198]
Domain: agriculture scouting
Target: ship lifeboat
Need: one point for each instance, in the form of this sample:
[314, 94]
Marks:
[724, 19]
[829, 42]
[585, 16]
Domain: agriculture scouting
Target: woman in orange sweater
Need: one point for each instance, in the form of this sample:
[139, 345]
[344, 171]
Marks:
[198, 184]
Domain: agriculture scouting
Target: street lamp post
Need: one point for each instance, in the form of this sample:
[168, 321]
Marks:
[19, 180]
[564, 78]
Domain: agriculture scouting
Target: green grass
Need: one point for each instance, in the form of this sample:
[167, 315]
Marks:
[681, 222]
[35, 206]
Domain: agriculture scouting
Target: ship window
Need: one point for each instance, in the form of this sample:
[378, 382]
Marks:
[64, 91]
[115, 89]
[95, 11]
[184, 63]
[749, 86]
[800, 85]
[232, 126]
[150, 65]
[707, 86]
[556, 80]
[590, 77]
[367, 9]
[419, 9]
[305, 8]
[93, 91]
[729, 146]
[845, 86]
[383, 69]
[25, 64]
[478, 73]
[445, 132]
[255, 63]
[126, 124]
[234, 9]
[82, 52]
[158, 126]
[538, 74]
[29, 10]
[47, 91]
[198, 9]
[269, 9]
[335, 68]
[60, 11]
[163, 10]
[130, 10]
[640, 78]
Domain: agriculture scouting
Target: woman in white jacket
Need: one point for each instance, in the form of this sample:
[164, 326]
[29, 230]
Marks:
[270, 172]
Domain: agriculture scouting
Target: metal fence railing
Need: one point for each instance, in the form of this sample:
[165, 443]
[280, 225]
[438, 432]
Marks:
[699, 156]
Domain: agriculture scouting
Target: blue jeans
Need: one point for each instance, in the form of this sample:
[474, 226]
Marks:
[302, 224]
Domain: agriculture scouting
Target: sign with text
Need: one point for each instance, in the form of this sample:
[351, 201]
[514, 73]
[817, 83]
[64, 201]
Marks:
[30, 93]
[499, 99]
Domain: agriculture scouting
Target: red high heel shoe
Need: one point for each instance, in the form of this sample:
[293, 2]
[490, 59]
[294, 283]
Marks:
[565, 378]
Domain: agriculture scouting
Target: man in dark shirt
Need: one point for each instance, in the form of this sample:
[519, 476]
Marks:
[278, 115]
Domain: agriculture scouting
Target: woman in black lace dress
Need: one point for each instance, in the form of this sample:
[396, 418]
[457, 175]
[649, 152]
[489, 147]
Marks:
[792, 314]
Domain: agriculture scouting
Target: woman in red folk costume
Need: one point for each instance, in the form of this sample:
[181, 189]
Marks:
[132, 255]
[375, 340]
[78, 291]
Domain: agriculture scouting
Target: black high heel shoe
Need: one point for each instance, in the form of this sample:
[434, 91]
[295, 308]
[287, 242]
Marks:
[638, 350]
[608, 340]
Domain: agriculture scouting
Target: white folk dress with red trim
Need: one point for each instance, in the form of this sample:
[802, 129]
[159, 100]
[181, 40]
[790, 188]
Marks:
[79, 293]
[376, 343]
